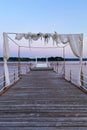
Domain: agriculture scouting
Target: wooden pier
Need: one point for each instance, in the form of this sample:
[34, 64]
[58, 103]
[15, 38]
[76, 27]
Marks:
[42, 100]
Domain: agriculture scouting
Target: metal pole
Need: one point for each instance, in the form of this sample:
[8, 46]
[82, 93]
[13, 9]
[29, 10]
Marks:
[64, 59]
[19, 61]
[14, 76]
[36, 60]
[46, 59]
[81, 73]
[4, 83]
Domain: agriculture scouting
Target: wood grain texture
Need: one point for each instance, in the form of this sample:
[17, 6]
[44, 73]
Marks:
[43, 101]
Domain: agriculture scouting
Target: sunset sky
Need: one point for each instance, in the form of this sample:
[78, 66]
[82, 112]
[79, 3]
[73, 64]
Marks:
[46, 16]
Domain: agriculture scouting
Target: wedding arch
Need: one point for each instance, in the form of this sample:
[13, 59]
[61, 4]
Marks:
[74, 40]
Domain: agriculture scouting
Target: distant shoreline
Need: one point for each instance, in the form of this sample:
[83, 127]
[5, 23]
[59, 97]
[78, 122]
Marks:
[15, 59]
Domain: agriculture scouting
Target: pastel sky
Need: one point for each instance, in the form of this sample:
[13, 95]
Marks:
[46, 16]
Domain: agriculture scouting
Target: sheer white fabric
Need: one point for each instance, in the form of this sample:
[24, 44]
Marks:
[75, 41]
[19, 36]
[27, 36]
[46, 37]
[5, 46]
[6, 72]
[64, 39]
[55, 38]
[35, 37]
[76, 44]
[6, 57]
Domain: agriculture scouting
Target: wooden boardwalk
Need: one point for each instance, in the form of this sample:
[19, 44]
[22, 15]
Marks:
[43, 101]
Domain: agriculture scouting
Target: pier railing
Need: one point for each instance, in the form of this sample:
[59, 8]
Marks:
[2, 81]
[67, 74]
[72, 77]
[14, 77]
[58, 67]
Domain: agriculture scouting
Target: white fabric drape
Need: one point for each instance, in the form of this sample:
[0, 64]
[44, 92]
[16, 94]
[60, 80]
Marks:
[6, 57]
[19, 36]
[76, 44]
[75, 41]
[6, 72]
[55, 38]
[35, 37]
[64, 39]
[46, 37]
[5, 46]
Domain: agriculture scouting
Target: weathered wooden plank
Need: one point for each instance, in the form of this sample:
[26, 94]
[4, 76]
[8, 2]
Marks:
[43, 119]
[43, 128]
[44, 124]
[42, 101]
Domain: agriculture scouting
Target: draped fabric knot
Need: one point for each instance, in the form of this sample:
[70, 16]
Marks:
[76, 44]
[27, 35]
[75, 40]
[55, 38]
[46, 37]
[19, 36]
[64, 39]
[6, 57]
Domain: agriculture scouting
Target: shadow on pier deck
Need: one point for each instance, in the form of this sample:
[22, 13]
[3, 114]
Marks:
[43, 101]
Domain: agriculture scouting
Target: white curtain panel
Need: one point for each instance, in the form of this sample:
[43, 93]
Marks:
[76, 44]
[6, 72]
[6, 57]
[75, 41]
[5, 46]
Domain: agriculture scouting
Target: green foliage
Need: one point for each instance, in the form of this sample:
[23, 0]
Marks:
[33, 59]
[42, 59]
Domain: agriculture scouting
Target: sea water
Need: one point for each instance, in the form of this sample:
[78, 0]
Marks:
[70, 65]
[59, 67]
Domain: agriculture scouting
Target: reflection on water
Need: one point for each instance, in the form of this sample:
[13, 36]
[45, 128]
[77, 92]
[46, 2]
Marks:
[74, 66]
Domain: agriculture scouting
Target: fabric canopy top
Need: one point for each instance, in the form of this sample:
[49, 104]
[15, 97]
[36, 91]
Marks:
[75, 40]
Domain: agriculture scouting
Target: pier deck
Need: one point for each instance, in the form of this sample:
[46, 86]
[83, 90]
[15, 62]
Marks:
[43, 101]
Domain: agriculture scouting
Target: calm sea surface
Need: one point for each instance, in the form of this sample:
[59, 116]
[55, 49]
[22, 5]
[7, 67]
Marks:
[74, 66]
